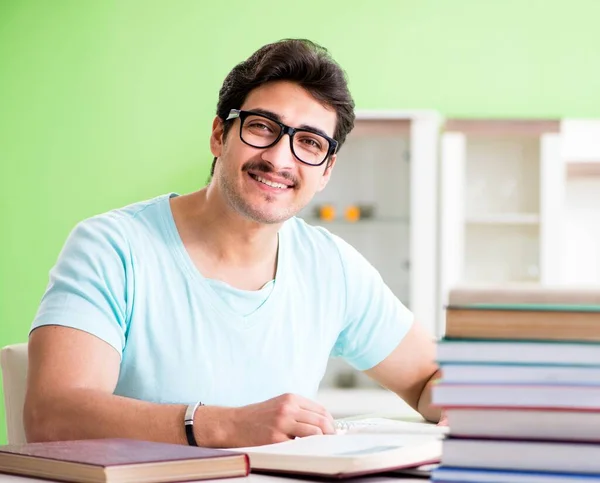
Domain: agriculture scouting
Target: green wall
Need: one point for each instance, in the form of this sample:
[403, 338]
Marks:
[104, 102]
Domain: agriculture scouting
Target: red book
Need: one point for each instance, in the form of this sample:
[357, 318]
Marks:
[120, 460]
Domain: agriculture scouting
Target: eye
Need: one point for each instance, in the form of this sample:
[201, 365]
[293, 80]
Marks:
[259, 126]
[311, 142]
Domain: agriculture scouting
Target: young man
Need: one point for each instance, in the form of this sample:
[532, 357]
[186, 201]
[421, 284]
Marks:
[220, 307]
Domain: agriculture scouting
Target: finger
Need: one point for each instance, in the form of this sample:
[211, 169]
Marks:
[301, 430]
[324, 423]
[313, 406]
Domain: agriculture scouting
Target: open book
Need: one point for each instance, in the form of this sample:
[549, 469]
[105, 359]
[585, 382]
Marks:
[346, 455]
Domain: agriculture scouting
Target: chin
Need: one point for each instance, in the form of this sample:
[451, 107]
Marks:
[268, 211]
[270, 217]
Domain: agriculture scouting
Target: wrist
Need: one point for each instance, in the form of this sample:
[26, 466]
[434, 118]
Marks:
[188, 422]
[425, 406]
[213, 427]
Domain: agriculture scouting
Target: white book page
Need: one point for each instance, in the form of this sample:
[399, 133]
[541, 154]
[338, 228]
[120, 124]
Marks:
[387, 426]
[347, 445]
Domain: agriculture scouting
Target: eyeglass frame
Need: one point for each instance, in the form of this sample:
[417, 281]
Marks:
[284, 129]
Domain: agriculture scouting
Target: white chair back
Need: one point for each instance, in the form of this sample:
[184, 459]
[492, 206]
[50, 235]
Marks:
[13, 361]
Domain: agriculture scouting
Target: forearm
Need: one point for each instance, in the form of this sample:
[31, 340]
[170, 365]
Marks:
[424, 406]
[88, 414]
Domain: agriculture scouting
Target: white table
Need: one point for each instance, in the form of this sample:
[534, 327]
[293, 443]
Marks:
[255, 478]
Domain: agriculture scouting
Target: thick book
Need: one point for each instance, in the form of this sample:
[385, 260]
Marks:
[521, 396]
[526, 296]
[518, 352]
[445, 474]
[511, 322]
[347, 455]
[522, 455]
[521, 374]
[120, 461]
[524, 423]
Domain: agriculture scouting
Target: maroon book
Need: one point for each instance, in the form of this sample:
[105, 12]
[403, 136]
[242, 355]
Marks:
[120, 460]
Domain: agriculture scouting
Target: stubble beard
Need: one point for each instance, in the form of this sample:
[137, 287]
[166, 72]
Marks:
[236, 199]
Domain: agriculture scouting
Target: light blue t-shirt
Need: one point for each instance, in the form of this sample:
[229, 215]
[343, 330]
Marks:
[126, 277]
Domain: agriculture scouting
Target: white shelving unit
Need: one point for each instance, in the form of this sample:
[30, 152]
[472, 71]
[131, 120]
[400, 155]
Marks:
[581, 154]
[389, 163]
[502, 203]
[581, 145]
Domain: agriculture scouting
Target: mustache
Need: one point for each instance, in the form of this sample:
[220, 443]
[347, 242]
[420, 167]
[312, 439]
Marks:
[264, 167]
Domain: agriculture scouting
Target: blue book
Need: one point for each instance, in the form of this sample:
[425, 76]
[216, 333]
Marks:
[518, 352]
[447, 474]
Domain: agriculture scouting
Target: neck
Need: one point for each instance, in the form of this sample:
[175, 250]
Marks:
[230, 238]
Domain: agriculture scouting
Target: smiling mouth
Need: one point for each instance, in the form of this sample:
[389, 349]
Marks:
[272, 184]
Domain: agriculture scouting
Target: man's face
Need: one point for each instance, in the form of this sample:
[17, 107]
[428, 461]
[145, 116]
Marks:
[241, 170]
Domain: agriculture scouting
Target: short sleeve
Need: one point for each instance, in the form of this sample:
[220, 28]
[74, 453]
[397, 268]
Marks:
[376, 321]
[87, 287]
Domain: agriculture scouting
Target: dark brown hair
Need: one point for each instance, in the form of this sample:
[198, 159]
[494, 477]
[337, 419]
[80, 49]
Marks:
[297, 60]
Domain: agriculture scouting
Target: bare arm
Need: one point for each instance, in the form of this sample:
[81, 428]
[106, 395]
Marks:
[70, 383]
[410, 371]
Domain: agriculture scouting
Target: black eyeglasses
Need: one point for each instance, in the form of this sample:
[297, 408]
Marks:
[261, 131]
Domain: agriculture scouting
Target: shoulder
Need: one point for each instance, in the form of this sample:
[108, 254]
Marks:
[113, 230]
[122, 219]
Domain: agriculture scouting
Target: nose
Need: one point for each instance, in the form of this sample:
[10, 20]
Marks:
[280, 154]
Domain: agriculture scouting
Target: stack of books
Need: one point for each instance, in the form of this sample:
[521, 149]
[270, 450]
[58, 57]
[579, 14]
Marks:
[521, 386]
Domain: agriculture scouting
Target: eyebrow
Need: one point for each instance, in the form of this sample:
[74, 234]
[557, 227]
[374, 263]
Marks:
[277, 117]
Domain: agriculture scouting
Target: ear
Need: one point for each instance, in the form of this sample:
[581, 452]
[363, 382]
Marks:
[216, 137]
[327, 173]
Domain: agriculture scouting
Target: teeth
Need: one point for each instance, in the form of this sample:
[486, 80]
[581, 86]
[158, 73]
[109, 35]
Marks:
[270, 183]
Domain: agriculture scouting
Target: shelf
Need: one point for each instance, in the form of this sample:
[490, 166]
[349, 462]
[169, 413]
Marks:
[504, 219]
[503, 127]
[392, 220]
[583, 169]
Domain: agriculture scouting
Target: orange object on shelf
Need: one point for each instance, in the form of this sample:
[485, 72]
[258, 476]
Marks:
[352, 213]
[327, 212]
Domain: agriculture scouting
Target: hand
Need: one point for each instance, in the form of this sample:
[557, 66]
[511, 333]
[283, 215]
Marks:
[443, 420]
[279, 419]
